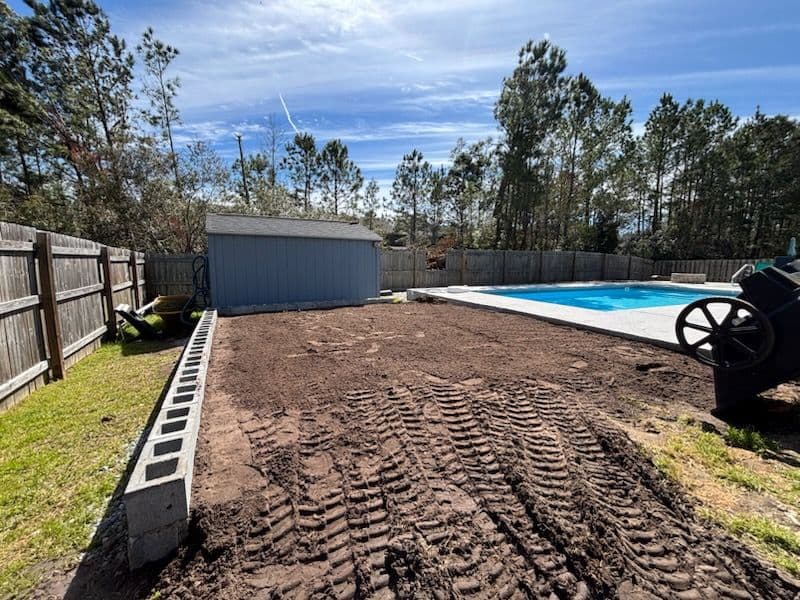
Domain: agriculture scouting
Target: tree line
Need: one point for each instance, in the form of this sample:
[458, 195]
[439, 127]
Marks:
[567, 172]
[88, 147]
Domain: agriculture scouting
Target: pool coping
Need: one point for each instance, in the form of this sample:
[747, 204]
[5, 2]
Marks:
[655, 325]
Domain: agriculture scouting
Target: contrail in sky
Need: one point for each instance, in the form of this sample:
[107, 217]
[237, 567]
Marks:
[288, 116]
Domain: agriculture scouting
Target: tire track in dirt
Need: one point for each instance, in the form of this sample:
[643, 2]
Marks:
[435, 489]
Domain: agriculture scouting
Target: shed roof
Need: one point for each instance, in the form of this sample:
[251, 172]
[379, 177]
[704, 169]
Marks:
[228, 224]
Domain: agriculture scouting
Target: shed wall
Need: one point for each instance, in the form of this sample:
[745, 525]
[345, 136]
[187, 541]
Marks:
[259, 272]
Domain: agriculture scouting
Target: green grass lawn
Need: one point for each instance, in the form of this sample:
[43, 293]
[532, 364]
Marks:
[62, 452]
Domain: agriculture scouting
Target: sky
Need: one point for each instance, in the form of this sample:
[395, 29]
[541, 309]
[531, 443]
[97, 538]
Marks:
[387, 77]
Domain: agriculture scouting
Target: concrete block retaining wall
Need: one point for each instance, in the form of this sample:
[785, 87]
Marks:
[158, 496]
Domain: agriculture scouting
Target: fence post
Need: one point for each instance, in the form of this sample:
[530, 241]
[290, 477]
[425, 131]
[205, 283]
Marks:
[574, 259]
[503, 278]
[108, 292]
[541, 266]
[603, 267]
[137, 301]
[630, 260]
[463, 265]
[47, 286]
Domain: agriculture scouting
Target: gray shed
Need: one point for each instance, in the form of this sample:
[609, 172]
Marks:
[269, 263]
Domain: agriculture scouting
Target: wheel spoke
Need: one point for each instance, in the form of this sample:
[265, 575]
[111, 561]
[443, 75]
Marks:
[738, 335]
[700, 342]
[732, 310]
[739, 343]
[712, 321]
[745, 329]
[699, 327]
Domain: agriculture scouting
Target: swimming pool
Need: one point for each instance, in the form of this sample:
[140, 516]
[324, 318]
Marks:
[608, 298]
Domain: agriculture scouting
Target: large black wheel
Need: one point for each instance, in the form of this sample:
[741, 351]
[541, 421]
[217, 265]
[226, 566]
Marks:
[726, 333]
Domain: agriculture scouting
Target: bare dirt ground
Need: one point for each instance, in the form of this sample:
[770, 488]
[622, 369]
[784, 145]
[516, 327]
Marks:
[439, 451]
[436, 451]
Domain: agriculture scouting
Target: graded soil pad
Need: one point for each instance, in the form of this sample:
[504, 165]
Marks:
[433, 451]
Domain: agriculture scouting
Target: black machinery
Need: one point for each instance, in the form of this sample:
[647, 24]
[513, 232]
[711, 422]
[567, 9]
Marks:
[751, 341]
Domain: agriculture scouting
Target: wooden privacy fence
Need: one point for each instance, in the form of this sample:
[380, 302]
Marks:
[403, 269]
[406, 268]
[169, 274]
[717, 269]
[57, 298]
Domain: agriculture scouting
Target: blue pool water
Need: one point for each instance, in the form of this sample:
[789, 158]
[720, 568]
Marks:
[611, 297]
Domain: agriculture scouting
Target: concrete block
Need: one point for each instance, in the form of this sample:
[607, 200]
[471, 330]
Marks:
[156, 544]
[688, 278]
[158, 497]
[149, 507]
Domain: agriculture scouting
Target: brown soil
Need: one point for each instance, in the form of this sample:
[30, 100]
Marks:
[436, 451]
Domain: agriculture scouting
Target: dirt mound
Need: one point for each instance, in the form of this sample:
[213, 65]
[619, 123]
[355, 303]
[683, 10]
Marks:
[434, 488]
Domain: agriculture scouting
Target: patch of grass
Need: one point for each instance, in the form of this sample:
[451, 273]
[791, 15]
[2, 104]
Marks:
[129, 333]
[709, 451]
[635, 402]
[779, 544]
[743, 478]
[749, 440]
[667, 466]
[62, 452]
[729, 481]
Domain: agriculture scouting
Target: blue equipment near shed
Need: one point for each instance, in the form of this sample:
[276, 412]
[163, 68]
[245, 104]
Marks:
[259, 264]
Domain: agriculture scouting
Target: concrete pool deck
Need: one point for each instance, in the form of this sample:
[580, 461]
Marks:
[655, 324]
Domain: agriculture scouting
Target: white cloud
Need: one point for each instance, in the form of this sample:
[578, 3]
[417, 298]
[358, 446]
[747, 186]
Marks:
[242, 51]
[449, 130]
[664, 81]
[387, 76]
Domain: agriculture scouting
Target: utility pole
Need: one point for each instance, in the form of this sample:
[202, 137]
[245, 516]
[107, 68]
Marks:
[238, 137]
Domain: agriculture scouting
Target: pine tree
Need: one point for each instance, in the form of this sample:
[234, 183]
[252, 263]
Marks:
[160, 90]
[340, 178]
[660, 143]
[465, 185]
[302, 163]
[371, 202]
[528, 111]
[410, 189]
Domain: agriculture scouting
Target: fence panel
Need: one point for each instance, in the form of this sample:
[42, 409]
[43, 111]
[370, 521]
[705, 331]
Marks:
[641, 268]
[483, 267]
[432, 278]
[122, 277]
[23, 354]
[520, 266]
[79, 294]
[617, 267]
[168, 274]
[397, 269]
[557, 266]
[53, 310]
[588, 266]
